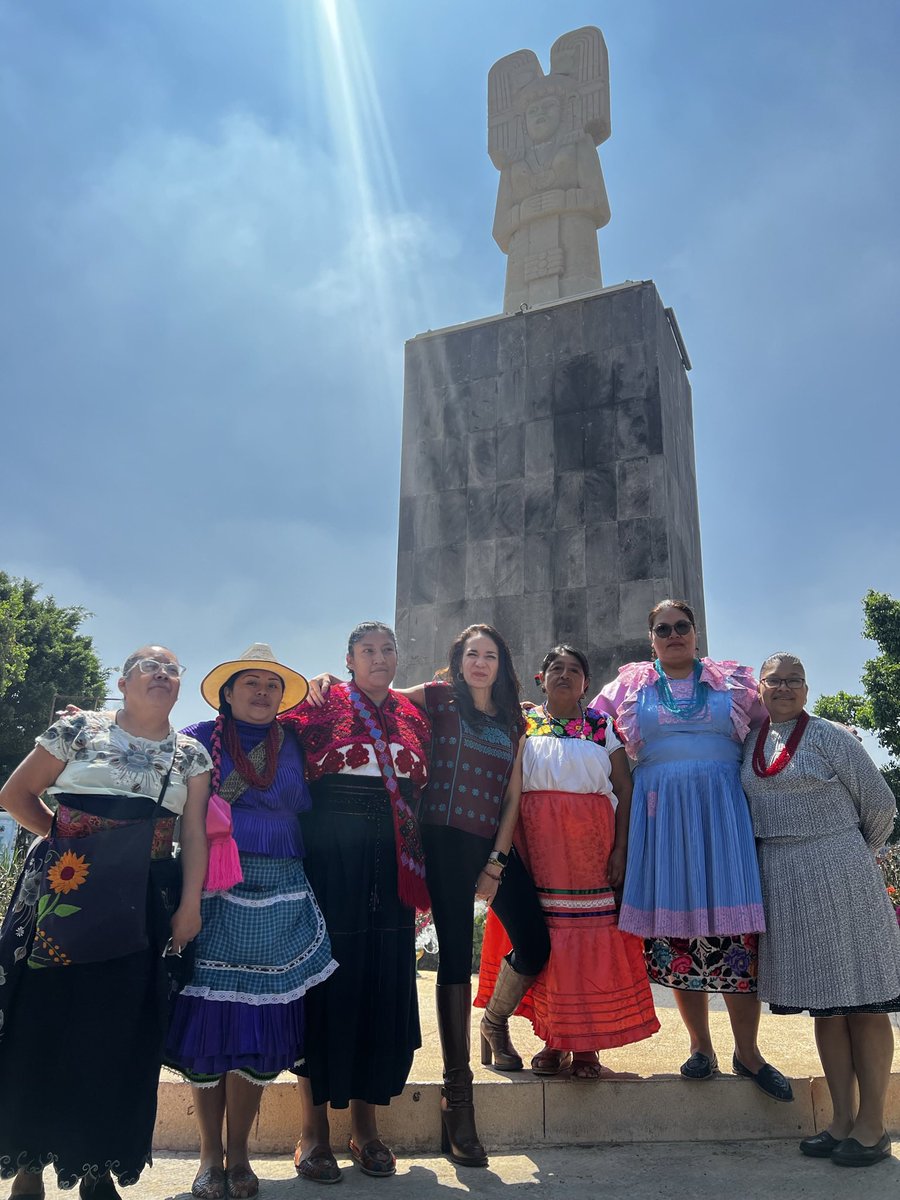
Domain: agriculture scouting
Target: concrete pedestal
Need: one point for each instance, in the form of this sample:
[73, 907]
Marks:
[548, 483]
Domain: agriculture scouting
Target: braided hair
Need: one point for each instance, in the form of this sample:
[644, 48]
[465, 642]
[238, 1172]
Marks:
[215, 751]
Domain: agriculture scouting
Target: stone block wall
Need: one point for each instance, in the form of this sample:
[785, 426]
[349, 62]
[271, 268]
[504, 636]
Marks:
[548, 483]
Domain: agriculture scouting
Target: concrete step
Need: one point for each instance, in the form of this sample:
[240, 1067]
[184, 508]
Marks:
[641, 1097]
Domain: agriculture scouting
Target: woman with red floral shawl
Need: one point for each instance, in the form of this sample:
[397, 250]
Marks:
[366, 751]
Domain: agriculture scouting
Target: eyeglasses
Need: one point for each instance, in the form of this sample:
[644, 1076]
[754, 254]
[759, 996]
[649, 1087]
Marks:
[774, 682]
[665, 630]
[149, 666]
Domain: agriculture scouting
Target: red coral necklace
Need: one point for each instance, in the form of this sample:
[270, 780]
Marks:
[781, 760]
[261, 780]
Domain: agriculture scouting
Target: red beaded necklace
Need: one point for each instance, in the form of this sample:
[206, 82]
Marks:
[261, 780]
[781, 760]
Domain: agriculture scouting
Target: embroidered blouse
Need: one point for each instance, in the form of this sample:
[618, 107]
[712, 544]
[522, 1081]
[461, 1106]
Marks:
[336, 742]
[265, 822]
[569, 756]
[102, 759]
[470, 767]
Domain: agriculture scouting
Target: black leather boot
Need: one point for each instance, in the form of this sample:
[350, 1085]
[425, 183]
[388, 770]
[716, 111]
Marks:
[459, 1137]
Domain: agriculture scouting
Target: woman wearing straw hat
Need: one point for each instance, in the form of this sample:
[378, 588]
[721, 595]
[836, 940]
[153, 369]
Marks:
[264, 944]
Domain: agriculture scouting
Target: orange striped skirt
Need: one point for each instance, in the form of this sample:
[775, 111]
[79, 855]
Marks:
[593, 993]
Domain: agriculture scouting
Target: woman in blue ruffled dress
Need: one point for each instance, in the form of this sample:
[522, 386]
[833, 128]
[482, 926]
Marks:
[692, 888]
[240, 1021]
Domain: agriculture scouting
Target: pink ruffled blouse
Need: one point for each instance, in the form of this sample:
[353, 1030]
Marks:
[620, 697]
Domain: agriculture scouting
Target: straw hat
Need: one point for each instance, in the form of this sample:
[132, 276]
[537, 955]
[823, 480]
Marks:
[259, 657]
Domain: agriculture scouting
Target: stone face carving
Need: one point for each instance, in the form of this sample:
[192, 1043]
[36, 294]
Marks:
[543, 131]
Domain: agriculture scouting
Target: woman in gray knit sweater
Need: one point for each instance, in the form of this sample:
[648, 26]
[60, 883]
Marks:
[820, 809]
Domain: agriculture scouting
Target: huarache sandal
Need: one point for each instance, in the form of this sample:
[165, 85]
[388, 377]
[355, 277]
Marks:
[209, 1184]
[551, 1062]
[374, 1158]
[587, 1068]
[700, 1066]
[241, 1182]
[768, 1079]
[319, 1166]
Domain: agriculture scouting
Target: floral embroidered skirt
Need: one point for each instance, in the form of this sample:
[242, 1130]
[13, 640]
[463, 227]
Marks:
[704, 964]
[263, 945]
[80, 1051]
[593, 992]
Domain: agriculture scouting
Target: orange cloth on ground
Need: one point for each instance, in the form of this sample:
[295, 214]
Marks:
[593, 993]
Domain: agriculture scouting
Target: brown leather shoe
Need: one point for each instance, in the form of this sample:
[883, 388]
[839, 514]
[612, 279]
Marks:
[319, 1166]
[374, 1158]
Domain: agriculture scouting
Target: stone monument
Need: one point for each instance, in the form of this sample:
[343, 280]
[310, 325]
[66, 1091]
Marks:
[547, 480]
[542, 134]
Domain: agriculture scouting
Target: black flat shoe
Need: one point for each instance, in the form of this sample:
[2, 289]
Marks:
[851, 1153]
[699, 1066]
[768, 1079]
[820, 1145]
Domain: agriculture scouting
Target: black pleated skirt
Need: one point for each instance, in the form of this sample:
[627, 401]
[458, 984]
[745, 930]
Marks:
[362, 1024]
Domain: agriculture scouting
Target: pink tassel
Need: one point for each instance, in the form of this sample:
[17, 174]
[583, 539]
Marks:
[224, 867]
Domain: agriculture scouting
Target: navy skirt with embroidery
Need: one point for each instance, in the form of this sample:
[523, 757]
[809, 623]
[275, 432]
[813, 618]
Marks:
[81, 1045]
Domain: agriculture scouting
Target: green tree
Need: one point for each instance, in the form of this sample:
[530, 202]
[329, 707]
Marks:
[43, 658]
[13, 655]
[877, 709]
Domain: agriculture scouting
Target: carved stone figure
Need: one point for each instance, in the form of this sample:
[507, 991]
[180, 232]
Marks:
[543, 131]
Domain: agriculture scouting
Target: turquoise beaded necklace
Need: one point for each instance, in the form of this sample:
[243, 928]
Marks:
[690, 705]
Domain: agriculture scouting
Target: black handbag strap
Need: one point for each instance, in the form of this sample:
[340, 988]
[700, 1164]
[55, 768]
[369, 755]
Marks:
[168, 776]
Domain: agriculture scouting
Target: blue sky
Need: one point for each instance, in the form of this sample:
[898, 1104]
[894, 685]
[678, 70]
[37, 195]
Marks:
[220, 222]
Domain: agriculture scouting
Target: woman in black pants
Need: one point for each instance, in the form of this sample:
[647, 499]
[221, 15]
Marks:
[467, 816]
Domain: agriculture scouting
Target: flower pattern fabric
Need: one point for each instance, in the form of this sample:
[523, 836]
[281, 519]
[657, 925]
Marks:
[102, 759]
[336, 742]
[590, 726]
[704, 964]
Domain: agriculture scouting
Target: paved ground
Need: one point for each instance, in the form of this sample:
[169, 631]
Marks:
[749, 1170]
[788, 1042]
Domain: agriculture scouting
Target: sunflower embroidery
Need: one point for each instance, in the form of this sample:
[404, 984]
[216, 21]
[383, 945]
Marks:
[69, 873]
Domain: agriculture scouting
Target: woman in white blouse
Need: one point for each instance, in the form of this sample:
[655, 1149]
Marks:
[84, 989]
[593, 993]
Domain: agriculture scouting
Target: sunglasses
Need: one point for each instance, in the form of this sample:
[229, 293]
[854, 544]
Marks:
[665, 630]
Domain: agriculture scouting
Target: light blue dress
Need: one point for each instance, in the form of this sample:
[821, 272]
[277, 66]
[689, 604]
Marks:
[692, 868]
